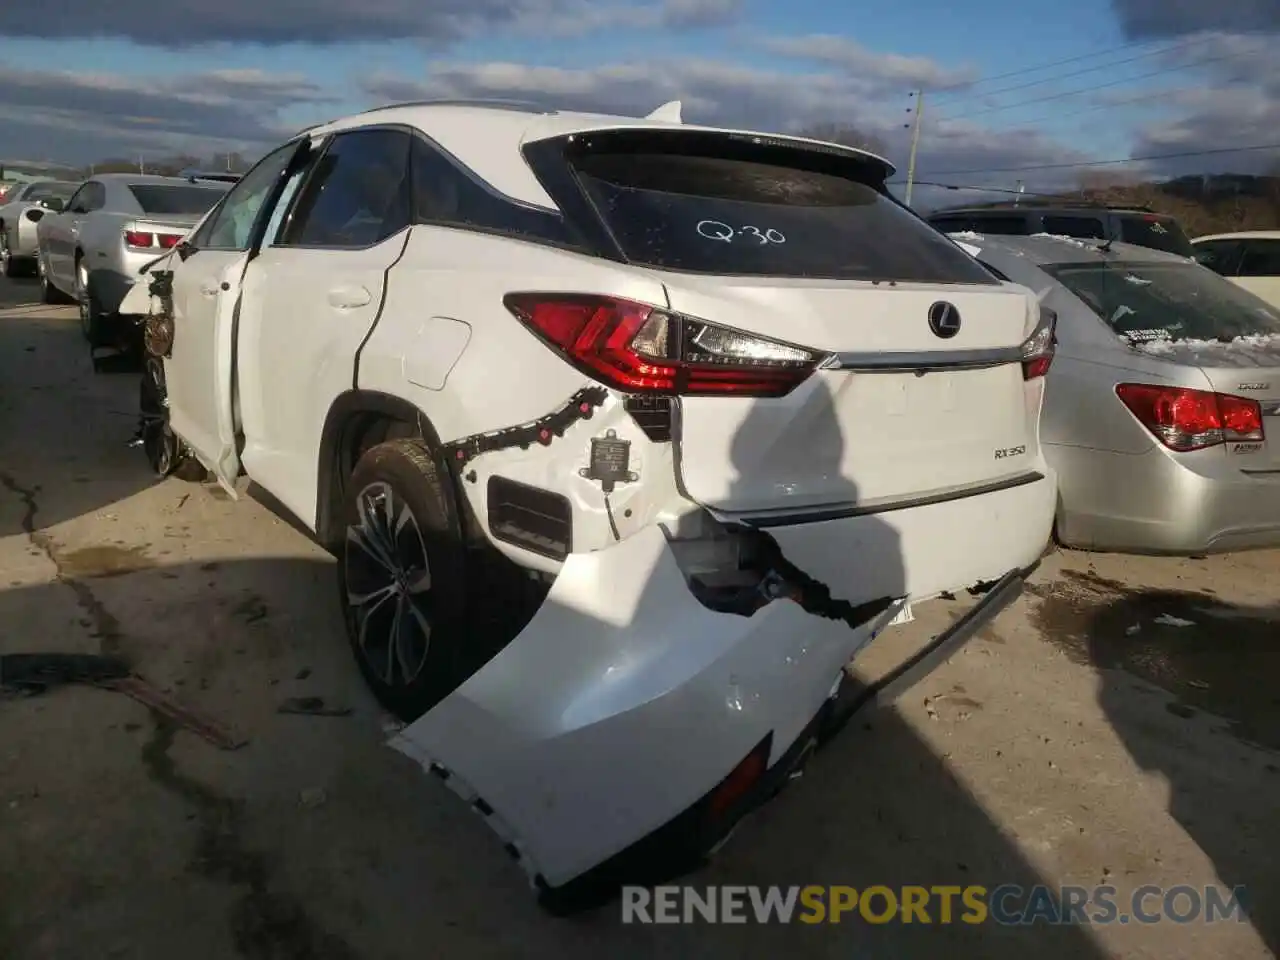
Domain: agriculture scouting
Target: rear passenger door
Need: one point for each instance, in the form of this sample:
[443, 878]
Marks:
[1259, 270]
[311, 298]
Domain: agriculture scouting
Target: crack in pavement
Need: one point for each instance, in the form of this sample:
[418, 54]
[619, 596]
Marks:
[106, 628]
[265, 925]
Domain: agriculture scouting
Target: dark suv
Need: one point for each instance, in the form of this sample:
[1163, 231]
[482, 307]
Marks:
[1137, 225]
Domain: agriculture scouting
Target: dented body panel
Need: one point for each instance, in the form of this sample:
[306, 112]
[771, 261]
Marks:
[568, 733]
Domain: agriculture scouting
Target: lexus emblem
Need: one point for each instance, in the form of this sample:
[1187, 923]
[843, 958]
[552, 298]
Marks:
[944, 319]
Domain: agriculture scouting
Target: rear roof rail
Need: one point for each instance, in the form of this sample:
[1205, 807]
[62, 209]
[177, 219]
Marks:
[498, 103]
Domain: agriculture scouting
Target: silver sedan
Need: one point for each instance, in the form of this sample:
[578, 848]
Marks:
[20, 212]
[113, 225]
[1162, 407]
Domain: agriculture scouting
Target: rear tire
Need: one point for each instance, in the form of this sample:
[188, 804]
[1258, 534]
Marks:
[48, 292]
[8, 269]
[402, 578]
[92, 321]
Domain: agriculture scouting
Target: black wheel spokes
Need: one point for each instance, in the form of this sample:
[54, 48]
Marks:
[388, 586]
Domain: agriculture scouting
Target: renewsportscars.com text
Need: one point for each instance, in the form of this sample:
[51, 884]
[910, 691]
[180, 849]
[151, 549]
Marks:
[1009, 904]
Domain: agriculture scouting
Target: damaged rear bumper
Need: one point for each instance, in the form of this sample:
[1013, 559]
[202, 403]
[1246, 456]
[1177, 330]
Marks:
[626, 730]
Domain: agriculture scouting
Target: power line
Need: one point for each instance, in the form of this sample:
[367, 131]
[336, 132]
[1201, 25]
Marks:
[1090, 89]
[1143, 98]
[942, 91]
[1102, 163]
[1086, 70]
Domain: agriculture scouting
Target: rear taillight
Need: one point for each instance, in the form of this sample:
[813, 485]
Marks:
[169, 240]
[138, 240]
[1184, 419]
[1038, 349]
[641, 349]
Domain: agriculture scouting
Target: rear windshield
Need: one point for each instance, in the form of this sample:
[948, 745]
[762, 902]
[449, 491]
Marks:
[1167, 301]
[1157, 233]
[180, 199]
[718, 215]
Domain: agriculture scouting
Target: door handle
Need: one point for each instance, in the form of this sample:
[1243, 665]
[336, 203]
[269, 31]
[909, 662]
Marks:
[346, 298]
[211, 289]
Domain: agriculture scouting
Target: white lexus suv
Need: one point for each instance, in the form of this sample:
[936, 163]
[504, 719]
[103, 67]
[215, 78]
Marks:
[628, 436]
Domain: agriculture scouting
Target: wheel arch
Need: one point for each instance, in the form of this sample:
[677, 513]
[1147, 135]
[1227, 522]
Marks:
[357, 420]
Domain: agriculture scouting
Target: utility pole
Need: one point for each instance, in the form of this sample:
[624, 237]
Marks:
[140, 167]
[915, 140]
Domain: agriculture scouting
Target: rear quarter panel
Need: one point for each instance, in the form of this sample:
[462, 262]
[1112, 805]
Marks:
[498, 375]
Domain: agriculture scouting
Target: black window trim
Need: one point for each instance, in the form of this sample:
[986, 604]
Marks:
[552, 164]
[1234, 244]
[1245, 243]
[254, 240]
[584, 246]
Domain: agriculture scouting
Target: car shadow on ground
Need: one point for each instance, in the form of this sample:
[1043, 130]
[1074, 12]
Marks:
[59, 421]
[1190, 685]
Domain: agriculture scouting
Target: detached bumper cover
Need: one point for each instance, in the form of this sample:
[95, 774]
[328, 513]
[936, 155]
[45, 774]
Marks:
[625, 702]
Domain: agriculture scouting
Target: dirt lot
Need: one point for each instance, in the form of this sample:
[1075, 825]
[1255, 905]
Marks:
[1062, 747]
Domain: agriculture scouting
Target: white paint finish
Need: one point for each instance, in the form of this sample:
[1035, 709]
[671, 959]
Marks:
[198, 374]
[304, 315]
[506, 376]
[568, 732]
[847, 436]
[1268, 288]
[920, 552]
[431, 354]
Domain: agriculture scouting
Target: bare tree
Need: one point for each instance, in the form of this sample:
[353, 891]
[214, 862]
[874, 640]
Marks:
[845, 134]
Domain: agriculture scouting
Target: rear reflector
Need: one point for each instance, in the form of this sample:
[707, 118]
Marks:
[641, 349]
[728, 798]
[1184, 419]
[134, 238]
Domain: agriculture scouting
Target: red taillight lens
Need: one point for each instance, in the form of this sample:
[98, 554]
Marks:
[1038, 350]
[133, 238]
[1184, 419]
[168, 240]
[642, 349]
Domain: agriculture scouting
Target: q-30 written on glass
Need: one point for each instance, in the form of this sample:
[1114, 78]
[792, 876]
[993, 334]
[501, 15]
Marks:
[715, 230]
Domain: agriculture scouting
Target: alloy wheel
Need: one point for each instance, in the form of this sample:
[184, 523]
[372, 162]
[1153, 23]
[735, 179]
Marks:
[4, 254]
[82, 295]
[388, 586]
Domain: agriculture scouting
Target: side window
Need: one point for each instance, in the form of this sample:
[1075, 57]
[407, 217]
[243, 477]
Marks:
[1220, 256]
[230, 226]
[949, 225]
[1085, 228]
[445, 195]
[1261, 259]
[78, 200]
[358, 193]
[97, 198]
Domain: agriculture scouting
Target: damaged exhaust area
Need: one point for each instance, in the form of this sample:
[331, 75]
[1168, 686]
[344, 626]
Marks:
[738, 569]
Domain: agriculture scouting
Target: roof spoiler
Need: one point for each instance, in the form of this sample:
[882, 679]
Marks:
[667, 113]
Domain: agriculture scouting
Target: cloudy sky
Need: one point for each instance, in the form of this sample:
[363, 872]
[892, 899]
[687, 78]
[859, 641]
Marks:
[1015, 89]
